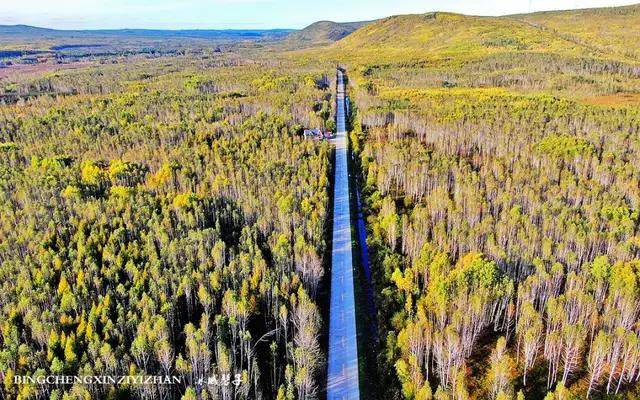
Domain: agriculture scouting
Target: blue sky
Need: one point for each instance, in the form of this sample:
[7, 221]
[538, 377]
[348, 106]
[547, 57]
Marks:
[242, 14]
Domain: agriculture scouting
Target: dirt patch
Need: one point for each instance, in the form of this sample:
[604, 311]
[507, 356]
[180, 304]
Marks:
[35, 69]
[614, 100]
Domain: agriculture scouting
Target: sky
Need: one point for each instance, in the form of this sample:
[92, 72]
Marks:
[250, 14]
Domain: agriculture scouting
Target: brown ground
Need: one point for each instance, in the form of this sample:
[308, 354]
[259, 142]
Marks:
[614, 100]
[34, 69]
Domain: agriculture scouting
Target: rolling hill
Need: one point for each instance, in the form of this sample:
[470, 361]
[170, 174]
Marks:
[322, 33]
[613, 29]
[447, 35]
[26, 30]
[20, 30]
[36, 38]
[598, 33]
[524, 53]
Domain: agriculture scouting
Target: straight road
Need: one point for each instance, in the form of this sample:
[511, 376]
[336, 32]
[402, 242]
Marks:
[342, 376]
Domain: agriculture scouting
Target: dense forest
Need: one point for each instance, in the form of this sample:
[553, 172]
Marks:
[165, 218]
[163, 215]
[502, 193]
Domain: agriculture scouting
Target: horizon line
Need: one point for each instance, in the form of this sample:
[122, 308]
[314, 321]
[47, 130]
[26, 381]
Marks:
[300, 27]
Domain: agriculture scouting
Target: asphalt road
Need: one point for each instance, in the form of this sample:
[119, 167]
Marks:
[342, 377]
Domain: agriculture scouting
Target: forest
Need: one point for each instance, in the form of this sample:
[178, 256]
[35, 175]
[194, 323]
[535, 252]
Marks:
[165, 219]
[162, 214]
[502, 194]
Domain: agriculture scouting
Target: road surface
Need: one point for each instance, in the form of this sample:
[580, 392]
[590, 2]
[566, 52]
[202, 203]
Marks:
[342, 376]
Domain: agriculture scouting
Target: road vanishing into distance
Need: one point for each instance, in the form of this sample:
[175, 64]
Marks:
[342, 375]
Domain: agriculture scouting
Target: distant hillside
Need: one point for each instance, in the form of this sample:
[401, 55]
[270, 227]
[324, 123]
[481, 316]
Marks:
[30, 37]
[24, 30]
[196, 33]
[612, 29]
[452, 35]
[322, 33]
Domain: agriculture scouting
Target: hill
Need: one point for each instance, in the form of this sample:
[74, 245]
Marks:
[611, 29]
[322, 33]
[36, 38]
[441, 49]
[24, 30]
[446, 35]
